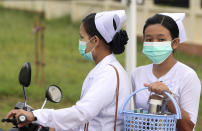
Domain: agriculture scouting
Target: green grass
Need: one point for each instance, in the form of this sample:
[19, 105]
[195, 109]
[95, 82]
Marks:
[64, 65]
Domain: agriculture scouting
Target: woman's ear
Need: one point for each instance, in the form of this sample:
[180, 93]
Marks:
[175, 43]
[96, 39]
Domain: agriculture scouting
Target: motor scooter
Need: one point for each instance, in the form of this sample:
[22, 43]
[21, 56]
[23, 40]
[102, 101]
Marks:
[53, 94]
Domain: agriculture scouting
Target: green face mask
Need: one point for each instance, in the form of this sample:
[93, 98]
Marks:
[82, 49]
[158, 52]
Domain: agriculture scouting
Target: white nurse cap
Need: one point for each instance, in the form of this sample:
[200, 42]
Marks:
[104, 23]
[178, 18]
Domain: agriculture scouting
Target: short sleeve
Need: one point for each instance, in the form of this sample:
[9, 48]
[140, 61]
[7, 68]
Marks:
[190, 96]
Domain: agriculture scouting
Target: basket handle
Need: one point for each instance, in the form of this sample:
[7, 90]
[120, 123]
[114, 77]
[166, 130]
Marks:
[178, 116]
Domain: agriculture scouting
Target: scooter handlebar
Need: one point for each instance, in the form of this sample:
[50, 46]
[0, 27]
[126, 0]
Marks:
[22, 118]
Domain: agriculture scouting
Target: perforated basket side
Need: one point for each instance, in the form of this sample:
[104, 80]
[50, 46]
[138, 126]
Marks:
[147, 122]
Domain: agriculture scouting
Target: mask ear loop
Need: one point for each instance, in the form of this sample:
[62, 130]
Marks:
[172, 43]
[94, 46]
[90, 39]
[173, 40]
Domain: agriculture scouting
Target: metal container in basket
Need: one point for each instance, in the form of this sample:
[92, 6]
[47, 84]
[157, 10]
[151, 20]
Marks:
[149, 122]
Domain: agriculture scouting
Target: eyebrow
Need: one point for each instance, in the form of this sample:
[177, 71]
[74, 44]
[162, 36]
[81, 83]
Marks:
[147, 35]
[157, 35]
[161, 35]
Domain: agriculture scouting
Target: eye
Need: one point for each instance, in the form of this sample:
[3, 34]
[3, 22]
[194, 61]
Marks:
[162, 39]
[81, 37]
[148, 40]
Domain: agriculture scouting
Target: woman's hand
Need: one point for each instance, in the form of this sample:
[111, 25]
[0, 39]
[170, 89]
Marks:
[157, 87]
[29, 115]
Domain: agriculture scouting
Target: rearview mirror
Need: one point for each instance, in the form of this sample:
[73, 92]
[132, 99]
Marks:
[54, 94]
[25, 75]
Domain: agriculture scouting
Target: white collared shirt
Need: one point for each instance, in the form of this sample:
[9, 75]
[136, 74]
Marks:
[180, 79]
[97, 102]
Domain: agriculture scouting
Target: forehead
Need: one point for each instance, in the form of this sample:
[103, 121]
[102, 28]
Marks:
[156, 30]
[82, 29]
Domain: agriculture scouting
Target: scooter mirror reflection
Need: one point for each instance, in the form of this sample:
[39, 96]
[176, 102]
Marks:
[25, 75]
[54, 94]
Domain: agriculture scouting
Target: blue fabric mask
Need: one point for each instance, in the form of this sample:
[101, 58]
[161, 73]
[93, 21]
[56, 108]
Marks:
[158, 52]
[82, 48]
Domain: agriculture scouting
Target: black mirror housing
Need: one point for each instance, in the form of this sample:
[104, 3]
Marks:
[25, 75]
[54, 94]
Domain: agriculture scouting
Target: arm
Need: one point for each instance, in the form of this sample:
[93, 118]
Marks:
[189, 101]
[100, 93]
[185, 124]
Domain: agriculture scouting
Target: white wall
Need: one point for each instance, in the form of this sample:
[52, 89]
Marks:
[80, 8]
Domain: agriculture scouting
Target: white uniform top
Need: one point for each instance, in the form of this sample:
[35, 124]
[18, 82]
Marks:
[97, 103]
[180, 79]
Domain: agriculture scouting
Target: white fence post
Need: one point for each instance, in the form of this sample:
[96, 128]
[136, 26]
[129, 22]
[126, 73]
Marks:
[131, 29]
[131, 46]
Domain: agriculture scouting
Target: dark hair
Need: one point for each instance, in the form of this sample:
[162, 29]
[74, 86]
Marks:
[165, 21]
[117, 45]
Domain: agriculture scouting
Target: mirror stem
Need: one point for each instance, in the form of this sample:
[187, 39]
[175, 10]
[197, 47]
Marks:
[44, 103]
[24, 91]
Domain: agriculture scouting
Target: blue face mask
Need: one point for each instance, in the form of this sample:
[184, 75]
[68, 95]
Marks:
[158, 52]
[82, 49]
